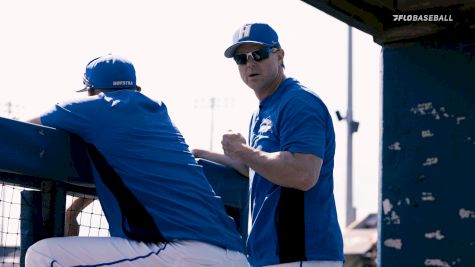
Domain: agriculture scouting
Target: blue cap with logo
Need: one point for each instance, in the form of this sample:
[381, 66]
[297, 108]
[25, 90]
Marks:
[109, 72]
[258, 33]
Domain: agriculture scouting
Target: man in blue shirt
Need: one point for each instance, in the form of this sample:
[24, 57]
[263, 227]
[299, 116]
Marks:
[289, 160]
[159, 205]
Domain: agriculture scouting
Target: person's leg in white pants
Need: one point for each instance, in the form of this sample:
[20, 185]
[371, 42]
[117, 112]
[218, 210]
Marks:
[115, 252]
[309, 264]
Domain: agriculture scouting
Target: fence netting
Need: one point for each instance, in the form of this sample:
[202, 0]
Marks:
[86, 211]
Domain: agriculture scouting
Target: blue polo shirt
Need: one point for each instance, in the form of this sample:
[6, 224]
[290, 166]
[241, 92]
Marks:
[140, 142]
[288, 224]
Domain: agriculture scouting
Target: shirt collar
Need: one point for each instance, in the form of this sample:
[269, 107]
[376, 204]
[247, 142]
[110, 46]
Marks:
[276, 95]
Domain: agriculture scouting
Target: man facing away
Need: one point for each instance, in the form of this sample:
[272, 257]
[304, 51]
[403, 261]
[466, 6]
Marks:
[159, 205]
[289, 160]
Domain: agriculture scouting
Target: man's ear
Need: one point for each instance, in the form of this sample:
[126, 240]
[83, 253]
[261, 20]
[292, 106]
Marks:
[281, 54]
[138, 88]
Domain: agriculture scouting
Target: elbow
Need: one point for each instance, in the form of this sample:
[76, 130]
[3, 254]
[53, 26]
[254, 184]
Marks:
[307, 168]
[308, 181]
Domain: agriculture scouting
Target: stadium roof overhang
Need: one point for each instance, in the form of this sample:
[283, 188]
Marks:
[381, 18]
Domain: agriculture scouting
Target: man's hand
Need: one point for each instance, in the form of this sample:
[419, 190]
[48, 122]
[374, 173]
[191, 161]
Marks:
[199, 153]
[233, 145]
[222, 159]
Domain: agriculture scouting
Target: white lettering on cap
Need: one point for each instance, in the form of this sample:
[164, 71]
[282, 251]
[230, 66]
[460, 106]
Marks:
[245, 31]
[121, 83]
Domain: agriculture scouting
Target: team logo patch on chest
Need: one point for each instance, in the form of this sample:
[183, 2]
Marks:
[266, 126]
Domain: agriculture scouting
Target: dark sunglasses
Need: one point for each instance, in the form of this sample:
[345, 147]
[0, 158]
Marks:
[86, 82]
[258, 55]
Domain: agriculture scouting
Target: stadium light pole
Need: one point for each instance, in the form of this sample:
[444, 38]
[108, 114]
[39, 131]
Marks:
[350, 209]
[352, 127]
[213, 103]
[211, 135]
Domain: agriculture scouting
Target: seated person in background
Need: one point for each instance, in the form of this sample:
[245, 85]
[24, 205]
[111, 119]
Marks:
[160, 207]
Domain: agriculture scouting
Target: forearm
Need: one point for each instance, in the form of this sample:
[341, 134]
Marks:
[294, 170]
[36, 120]
[78, 205]
[71, 225]
[222, 159]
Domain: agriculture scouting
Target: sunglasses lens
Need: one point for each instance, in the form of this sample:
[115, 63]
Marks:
[240, 59]
[85, 81]
[260, 54]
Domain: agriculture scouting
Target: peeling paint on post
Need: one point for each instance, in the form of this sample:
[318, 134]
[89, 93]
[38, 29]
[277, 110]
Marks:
[466, 214]
[393, 243]
[436, 262]
[437, 235]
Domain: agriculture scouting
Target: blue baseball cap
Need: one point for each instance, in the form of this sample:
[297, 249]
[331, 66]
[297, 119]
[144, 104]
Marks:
[109, 72]
[258, 33]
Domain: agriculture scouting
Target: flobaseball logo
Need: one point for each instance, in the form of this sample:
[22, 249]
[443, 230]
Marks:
[415, 18]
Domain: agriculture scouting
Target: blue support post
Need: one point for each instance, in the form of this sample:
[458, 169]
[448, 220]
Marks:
[427, 200]
[42, 215]
[31, 221]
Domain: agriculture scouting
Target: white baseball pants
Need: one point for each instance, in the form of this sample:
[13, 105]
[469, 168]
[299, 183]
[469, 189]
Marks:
[115, 252]
[309, 264]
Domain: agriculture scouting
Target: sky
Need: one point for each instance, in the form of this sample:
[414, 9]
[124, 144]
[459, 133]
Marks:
[177, 48]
